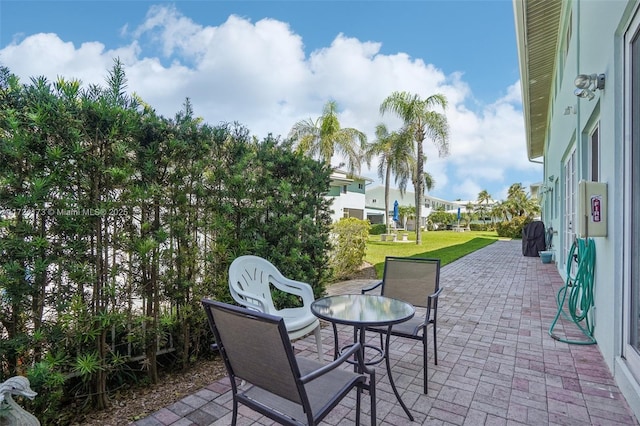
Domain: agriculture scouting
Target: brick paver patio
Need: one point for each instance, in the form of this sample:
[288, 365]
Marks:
[497, 364]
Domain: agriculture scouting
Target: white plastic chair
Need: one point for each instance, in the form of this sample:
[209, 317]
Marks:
[250, 278]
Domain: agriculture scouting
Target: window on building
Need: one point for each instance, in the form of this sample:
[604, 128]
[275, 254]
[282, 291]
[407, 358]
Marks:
[360, 186]
[344, 189]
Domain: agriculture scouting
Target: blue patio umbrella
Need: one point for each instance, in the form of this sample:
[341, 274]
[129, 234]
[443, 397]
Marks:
[458, 214]
[396, 216]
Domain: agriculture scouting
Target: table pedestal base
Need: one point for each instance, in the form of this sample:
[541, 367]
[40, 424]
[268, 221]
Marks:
[359, 336]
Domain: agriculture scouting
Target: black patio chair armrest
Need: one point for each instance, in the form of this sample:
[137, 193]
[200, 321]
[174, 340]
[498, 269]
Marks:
[356, 348]
[434, 295]
[373, 287]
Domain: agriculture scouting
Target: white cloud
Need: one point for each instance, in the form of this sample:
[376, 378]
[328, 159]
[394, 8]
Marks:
[47, 55]
[258, 74]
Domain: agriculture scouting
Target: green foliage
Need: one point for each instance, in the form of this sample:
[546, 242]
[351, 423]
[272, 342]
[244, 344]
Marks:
[377, 229]
[442, 218]
[115, 222]
[323, 137]
[513, 228]
[349, 249]
[482, 226]
[47, 378]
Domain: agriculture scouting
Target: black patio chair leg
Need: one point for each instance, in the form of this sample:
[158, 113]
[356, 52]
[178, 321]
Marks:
[424, 360]
[372, 395]
[234, 418]
[359, 394]
[435, 345]
[391, 381]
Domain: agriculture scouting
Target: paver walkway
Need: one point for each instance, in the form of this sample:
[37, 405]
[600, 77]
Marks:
[497, 364]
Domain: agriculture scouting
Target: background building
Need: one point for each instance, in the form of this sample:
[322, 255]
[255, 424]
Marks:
[374, 204]
[348, 194]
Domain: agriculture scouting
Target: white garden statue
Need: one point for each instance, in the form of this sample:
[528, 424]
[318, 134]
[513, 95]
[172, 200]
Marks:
[10, 412]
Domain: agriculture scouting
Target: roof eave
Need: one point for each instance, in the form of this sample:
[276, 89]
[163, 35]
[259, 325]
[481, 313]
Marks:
[537, 24]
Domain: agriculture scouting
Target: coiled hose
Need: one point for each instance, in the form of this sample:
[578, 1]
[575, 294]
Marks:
[578, 291]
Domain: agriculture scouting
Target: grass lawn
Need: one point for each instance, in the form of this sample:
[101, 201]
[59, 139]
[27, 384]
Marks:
[444, 245]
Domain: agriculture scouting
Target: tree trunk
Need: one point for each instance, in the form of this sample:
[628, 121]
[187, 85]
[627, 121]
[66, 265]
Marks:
[39, 286]
[153, 307]
[419, 186]
[386, 197]
[100, 231]
[100, 398]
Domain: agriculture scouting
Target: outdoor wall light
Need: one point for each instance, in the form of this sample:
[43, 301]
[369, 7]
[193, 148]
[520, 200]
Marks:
[587, 83]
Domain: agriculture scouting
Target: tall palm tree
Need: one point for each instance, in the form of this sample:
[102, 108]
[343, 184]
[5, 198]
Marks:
[469, 207]
[323, 137]
[429, 182]
[517, 200]
[395, 153]
[483, 197]
[422, 122]
[516, 190]
[407, 212]
[500, 211]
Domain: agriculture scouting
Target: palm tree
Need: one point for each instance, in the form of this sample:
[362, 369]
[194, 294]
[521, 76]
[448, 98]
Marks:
[515, 191]
[483, 197]
[516, 201]
[395, 152]
[407, 212]
[429, 181]
[500, 211]
[519, 203]
[324, 137]
[422, 122]
[469, 207]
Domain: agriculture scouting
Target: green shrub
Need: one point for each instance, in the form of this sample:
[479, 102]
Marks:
[45, 379]
[439, 220]
[377, 229]
[172, 202]
[350, 239]
[512, 228]
[482, 226]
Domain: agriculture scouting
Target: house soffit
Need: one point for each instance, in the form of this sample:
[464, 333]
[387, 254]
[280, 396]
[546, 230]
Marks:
[537, 28]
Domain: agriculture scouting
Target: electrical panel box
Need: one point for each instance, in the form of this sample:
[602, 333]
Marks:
[592, 209]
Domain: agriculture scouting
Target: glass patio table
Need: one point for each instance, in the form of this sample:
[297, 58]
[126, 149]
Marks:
[361, 311]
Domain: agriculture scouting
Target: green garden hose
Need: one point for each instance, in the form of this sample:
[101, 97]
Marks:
[578, 291]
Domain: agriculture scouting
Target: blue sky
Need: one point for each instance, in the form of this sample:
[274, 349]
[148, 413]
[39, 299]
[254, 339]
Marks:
[268, 64]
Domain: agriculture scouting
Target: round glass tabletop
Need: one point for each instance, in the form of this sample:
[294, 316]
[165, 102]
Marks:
[362, 309]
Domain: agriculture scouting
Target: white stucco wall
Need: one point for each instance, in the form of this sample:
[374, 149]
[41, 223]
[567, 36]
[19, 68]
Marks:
[596, 47]
[349, 200]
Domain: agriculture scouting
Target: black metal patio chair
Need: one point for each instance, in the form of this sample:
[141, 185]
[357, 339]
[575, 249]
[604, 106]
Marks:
[416, 281]
[290, 390]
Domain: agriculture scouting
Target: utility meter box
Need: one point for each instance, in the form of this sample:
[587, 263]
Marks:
[592, 209]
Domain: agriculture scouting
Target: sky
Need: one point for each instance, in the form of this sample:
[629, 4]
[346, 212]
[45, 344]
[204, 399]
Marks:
[269, 64]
